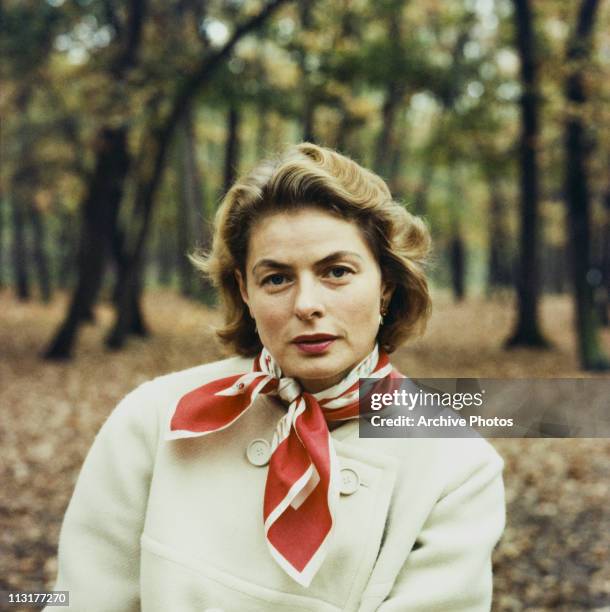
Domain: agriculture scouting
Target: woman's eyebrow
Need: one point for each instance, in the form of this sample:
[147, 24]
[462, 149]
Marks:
[270, 263]
[337, 256]
[278, 265]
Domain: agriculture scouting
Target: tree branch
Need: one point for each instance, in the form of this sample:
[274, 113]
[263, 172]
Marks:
[209, 65]
[160, 136]
[128, 55]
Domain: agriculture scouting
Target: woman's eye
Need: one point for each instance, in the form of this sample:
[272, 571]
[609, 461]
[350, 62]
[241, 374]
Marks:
[339, 272]
[274, 279]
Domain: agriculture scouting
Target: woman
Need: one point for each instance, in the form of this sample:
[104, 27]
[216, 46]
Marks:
[320, 274]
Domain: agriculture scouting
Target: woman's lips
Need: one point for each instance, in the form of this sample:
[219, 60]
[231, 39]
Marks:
[317, 345]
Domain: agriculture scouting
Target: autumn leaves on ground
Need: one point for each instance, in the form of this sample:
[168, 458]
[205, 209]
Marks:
[554, 554]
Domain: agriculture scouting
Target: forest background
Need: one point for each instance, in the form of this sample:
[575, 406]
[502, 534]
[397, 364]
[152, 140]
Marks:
[124, 122]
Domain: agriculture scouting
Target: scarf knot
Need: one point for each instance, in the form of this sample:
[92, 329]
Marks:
[288, 389]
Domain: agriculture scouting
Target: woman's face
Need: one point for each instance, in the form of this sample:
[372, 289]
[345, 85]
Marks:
[315, 290]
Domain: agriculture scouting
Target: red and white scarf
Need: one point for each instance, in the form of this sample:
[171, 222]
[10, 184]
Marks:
[302, 487]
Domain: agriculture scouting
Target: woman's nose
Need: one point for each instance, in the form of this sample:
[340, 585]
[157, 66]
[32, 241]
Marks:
[308, 300]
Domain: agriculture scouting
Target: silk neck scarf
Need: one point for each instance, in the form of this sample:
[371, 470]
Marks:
[302, 488]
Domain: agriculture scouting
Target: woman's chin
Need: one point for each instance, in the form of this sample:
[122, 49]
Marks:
[315, 379]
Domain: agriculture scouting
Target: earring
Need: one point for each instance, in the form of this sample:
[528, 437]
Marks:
[383, 312]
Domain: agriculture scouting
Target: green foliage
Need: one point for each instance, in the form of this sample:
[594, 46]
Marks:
[451, 66]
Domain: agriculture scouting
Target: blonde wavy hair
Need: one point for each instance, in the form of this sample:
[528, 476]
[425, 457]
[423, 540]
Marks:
[307, 175]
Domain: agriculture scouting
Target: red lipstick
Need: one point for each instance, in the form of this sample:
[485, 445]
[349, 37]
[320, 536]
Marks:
[314, 343]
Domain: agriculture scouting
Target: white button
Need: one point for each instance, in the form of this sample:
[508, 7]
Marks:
[258, 452]
[350, 481]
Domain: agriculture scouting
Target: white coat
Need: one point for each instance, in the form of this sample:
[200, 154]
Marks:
[167, 526]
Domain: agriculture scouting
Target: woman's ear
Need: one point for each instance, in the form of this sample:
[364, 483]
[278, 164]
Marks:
[243, 290]
[387, 289]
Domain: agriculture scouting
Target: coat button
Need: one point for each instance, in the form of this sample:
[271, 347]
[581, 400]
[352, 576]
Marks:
[258, 452]
[350, 481]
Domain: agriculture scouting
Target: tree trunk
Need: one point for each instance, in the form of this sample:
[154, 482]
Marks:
[129, 317]
[131, 250]
[604, 301]
[457, 254]
[190, 204]
[165, 258]
[2, 207]
[592, 356]
[231, 147]
[554, 264]
[99, 220]
[399, 158]
[385, 147]
[343, 132]
[67, 251]
[20, 196]
[308, 94]
[40, 254]
[262, 130]
[20, 266]
[309, 119]
[420, 198]
[527, 332]
[499, 262]
[136, 324]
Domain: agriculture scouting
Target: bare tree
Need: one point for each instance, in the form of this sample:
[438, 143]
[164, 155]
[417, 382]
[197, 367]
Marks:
[2, 206]
[20, 267]
[527, 331]
[39, 251]
[604, 290]
[232, 146]
[577, 191]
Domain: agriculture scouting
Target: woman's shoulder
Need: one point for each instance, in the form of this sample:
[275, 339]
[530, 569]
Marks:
[148, 404]
[191, 378]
